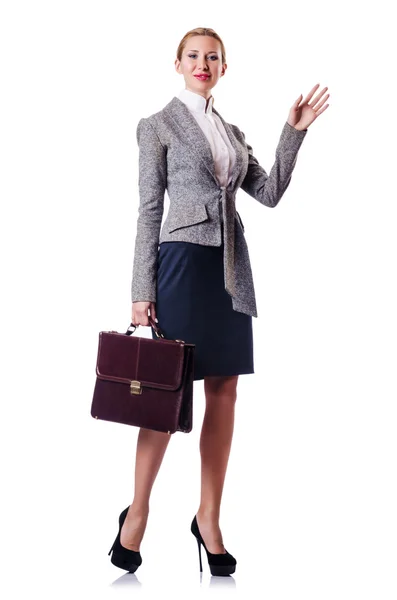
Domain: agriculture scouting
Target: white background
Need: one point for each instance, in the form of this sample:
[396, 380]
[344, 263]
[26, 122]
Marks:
[309, 504]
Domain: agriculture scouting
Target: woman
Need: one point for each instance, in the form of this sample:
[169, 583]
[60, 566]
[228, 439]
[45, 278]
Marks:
[198, 282]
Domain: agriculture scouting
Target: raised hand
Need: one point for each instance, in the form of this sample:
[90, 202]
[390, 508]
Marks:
[302, 114]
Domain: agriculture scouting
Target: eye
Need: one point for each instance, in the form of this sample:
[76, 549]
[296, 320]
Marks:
[214, 56]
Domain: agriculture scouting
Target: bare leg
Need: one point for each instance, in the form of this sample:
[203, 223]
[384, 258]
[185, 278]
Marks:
[151, 447]
[215, 444]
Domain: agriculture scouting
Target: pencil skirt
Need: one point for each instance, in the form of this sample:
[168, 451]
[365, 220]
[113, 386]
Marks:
[193, 305]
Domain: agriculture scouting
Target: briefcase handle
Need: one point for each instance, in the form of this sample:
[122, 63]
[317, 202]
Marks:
[154, 325]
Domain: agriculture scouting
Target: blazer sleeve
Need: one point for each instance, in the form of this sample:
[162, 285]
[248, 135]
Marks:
[268, 189]
[152, 184]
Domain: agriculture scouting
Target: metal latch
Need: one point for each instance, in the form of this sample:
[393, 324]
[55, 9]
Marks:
[135, 387]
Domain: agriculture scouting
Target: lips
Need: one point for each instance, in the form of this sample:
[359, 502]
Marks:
[202, 77]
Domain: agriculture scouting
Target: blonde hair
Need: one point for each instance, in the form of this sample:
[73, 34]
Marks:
[200, 31]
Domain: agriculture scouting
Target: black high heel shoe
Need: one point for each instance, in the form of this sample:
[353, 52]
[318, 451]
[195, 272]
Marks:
[122, 557]
[219, 564]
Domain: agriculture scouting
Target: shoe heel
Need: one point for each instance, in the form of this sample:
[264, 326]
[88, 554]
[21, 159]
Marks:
[126, 559]
[111, 547]
[220, 563]
[199, 549]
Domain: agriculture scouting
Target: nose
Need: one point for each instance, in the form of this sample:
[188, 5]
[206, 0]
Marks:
[203, 65]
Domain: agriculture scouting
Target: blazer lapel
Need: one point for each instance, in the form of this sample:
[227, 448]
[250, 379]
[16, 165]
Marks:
[237, 148]
[197, 141]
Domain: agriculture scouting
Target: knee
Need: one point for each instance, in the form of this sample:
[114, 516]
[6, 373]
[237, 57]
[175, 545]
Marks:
[221, 387]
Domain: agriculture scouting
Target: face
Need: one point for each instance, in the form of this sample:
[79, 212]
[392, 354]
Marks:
[201, 56]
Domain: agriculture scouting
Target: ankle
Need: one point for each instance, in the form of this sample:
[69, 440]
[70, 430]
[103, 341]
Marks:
[208, 513]
[138, 510]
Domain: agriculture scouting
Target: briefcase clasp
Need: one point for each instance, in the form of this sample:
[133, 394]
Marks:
[135, 387]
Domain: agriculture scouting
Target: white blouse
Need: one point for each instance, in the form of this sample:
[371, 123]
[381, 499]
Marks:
[222, 150]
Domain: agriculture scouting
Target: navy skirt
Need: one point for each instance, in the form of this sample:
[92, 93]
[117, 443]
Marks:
[193, 305]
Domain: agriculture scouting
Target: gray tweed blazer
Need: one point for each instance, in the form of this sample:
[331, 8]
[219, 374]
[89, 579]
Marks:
[175, 155]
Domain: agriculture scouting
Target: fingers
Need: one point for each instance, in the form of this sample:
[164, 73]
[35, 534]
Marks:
[322, 110]
[140, 313]
[321, 103]
[310, 94]
[297, 101]
[318, 97]
[152, 309]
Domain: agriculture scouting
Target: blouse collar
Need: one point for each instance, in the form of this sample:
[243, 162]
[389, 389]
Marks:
[195, 101]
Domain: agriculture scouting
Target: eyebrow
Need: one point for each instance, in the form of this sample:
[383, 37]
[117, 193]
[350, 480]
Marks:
[210, 52]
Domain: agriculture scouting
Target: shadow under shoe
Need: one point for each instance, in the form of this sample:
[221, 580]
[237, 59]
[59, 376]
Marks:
[219, 564]
[122, 557]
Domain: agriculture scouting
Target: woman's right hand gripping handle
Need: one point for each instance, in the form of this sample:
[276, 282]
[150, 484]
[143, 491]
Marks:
[141, 311]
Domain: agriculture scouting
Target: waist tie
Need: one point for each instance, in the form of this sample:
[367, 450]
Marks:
[237, 267]
[228, 204]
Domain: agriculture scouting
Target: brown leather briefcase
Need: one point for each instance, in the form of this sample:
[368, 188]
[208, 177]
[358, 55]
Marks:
[144, 382]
